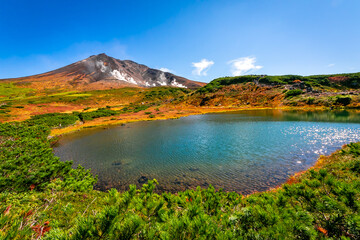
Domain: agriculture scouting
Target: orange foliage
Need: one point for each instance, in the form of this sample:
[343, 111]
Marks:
[322, 230]
[295, 178]
[292, 180]
[247, 94]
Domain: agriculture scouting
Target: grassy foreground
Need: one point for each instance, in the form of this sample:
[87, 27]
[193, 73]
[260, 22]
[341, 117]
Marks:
[42, 197]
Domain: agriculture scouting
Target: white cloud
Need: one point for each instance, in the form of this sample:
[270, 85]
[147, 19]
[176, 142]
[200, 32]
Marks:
[243, 65]
[166, 70]
[331, 65]
[202, 67]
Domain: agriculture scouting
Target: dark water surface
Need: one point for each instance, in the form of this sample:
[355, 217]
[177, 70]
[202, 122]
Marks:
[240, 151]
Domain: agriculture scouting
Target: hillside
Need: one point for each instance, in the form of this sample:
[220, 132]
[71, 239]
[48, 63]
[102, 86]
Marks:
[337, 90]
[18, 101]
[335, 81]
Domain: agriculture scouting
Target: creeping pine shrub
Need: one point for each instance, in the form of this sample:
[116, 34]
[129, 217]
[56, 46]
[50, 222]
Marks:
[135, 108]
[53, 119]
[101, 112]
[27, 161]
[353, 148]
[292, 93]
[310, 100]
[342, 100]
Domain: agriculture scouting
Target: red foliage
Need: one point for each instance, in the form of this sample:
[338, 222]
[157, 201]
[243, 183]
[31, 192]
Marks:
[7, 210]
[29, 213]
[297, 81]
[41, 230]
[338, 78]
[32, 186]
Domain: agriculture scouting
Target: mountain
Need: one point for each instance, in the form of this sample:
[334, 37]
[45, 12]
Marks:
[104, 72]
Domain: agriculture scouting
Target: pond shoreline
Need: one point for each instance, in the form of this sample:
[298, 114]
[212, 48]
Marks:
[130, 118]
[309, 162]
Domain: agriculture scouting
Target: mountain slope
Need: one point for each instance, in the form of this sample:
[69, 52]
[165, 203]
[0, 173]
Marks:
[104, 72]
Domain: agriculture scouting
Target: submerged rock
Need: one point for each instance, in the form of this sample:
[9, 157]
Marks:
[194, 169]
[116, 164]
[179, 182]
[143, 179]
[205, 184]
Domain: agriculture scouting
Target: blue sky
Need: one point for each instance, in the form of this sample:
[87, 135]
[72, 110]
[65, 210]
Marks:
[200, 40]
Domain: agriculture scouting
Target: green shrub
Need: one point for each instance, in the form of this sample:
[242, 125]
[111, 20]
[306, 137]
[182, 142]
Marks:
[27, 161]
[310, 100]
[351, 80]
[53, 119]
[292, 93]
[138, 108]
[101, 112]
[343, 100]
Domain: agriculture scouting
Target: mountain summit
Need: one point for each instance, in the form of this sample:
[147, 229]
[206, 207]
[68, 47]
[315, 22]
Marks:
[104, 72]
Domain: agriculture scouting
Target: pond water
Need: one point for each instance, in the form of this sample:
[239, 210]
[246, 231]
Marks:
[243, 151]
